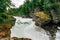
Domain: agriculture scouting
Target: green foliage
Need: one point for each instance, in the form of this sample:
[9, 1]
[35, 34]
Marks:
[51, 5]
[13, 11]
[22, 10]
[42, 5]
[4, 17]
[1, 20]
[3, 9]
[4, 4]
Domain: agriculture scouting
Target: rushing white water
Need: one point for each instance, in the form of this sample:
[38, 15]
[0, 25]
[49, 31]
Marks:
[25, 27]
[58, 35]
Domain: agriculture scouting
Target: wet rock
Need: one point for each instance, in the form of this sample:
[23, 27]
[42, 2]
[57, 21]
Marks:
[41, 18]
[15, 38]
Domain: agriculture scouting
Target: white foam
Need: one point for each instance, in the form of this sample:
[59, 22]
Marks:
[28, 30]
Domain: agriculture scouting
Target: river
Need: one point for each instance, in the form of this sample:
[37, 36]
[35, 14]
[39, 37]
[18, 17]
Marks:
[26, 28]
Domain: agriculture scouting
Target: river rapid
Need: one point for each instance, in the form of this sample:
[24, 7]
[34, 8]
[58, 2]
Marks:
[26, 28]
